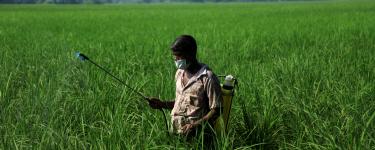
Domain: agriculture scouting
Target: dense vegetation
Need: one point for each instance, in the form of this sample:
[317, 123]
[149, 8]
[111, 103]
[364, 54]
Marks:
[306, 73]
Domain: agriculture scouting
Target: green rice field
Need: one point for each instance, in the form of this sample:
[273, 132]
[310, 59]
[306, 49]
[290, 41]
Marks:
[306, 73]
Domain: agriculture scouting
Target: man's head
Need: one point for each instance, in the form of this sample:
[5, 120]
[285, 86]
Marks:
[184, 48]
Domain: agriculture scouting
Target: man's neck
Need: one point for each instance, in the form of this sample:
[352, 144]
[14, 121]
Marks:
[194, 67]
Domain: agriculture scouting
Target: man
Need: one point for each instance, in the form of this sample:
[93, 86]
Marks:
[198, 93]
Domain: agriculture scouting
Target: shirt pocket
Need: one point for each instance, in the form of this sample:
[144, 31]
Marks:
[197, 90]
[194, 100]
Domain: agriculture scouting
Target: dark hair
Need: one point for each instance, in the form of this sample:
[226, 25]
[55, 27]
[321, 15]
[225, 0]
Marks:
[185, 44]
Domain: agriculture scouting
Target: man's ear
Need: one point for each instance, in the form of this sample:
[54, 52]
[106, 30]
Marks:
[191, 58]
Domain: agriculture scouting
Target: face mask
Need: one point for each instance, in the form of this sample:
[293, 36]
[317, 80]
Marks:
[181, 64]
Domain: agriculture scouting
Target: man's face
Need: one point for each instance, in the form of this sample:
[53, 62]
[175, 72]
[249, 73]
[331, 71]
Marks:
[182, 61]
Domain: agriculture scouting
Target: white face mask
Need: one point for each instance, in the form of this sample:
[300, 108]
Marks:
[181, 64]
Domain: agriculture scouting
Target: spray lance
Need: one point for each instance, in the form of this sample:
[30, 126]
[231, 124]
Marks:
[83, 57]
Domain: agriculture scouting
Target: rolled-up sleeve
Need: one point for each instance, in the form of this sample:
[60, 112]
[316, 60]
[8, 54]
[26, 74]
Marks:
[213, 90]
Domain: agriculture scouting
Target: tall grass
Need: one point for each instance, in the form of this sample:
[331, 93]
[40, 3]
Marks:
[306, 73]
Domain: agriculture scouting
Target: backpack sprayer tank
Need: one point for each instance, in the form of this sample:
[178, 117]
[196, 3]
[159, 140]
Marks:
[227, 91]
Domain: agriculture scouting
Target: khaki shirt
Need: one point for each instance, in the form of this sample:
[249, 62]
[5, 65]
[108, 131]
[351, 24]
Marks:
[194, 100]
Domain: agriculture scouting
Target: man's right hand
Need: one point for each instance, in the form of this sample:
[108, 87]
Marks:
[155, 103]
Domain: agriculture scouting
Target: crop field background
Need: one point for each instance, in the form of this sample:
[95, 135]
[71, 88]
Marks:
[306, 73]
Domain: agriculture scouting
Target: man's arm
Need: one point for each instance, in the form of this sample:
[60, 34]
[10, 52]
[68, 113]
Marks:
[211, 115]
[156, 103]
[168, 104]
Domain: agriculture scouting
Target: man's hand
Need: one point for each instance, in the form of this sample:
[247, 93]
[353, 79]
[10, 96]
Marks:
[187, 128]
[155, 103]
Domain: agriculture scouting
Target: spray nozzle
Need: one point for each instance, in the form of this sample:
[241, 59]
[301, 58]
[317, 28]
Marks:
[81, 56]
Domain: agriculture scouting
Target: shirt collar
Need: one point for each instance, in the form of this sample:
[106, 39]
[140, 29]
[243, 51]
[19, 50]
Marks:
[200, 73]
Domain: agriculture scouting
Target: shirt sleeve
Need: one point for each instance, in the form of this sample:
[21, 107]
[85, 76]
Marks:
[213, 90]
